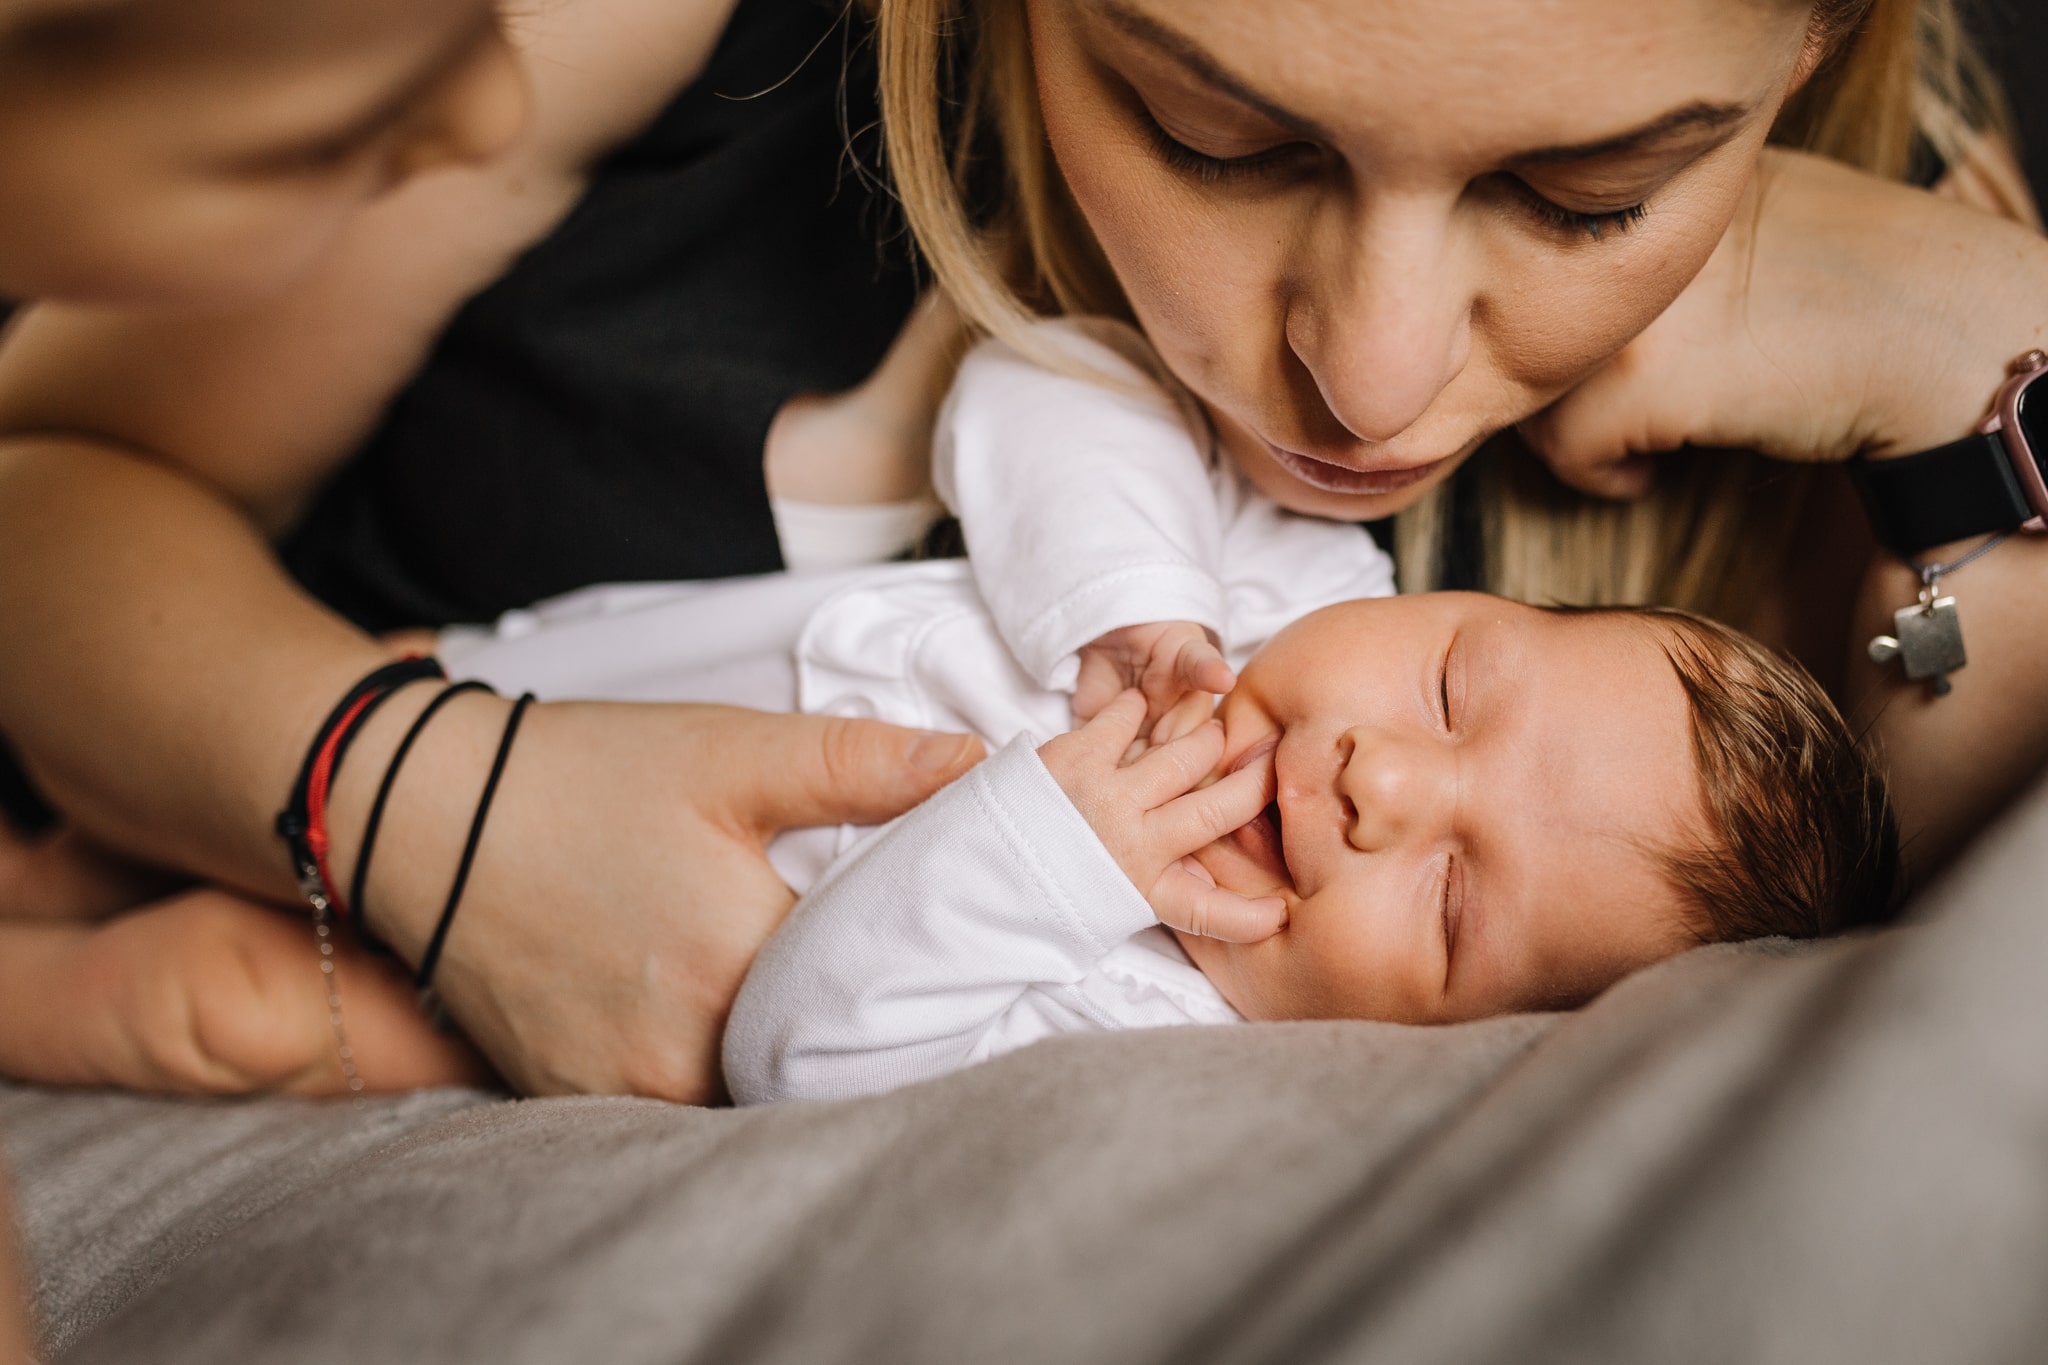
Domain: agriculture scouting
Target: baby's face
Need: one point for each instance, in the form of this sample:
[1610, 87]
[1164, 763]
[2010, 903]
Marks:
[1471, 795]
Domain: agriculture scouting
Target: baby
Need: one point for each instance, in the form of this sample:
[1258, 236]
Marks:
[1417, 809]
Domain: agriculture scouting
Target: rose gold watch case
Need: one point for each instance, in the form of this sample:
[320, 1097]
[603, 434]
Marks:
[2005, 422]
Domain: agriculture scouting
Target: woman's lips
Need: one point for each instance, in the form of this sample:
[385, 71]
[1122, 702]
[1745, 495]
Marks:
[1337, 478]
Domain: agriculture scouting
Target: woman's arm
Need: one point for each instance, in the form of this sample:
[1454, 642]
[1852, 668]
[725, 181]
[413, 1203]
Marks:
[163, 677]
[1846, 315]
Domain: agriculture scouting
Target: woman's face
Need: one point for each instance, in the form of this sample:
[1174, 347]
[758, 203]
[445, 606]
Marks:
[166, 150]
[1370, 233]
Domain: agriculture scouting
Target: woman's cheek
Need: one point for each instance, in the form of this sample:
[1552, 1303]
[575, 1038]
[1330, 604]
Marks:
[1559, 313]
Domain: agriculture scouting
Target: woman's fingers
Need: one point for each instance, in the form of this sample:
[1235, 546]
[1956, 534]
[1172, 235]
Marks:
[1187, 899]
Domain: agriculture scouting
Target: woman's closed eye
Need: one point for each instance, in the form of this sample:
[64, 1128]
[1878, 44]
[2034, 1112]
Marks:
[1595, 223]
[1208, 169]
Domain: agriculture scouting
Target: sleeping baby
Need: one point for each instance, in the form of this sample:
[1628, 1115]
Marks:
[1415, 809]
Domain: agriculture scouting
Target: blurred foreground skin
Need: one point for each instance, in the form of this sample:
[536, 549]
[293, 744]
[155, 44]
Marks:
[194, 152]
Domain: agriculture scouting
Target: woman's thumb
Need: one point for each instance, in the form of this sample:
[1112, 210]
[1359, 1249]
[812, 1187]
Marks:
[829, 770]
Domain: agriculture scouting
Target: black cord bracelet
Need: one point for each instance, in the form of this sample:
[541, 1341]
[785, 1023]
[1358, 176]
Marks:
[359, 884]
[295, 822]
[424, 980]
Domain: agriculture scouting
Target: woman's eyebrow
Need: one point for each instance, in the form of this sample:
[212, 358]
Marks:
[1700, 116]
[1205, 68]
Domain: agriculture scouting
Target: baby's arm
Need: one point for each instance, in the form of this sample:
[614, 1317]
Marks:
[964, 928]
[1086, 503]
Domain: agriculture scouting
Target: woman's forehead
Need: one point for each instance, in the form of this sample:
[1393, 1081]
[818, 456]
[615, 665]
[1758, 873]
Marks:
[1497, 71]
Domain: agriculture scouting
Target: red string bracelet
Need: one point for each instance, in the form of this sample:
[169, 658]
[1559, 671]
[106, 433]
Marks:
[302, 824]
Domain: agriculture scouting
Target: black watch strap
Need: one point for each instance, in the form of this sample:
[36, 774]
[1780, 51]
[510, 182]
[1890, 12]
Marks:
[1950, 493]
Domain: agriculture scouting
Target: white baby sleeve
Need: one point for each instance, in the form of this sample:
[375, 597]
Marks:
[960, 930]
[1086, 506]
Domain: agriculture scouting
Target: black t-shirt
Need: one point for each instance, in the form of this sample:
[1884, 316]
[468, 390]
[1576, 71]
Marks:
[598, 414]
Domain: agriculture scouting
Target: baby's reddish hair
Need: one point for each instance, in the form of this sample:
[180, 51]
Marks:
[1801, 839]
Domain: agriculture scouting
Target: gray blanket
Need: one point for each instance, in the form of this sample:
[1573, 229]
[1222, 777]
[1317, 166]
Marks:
[1833, 1153]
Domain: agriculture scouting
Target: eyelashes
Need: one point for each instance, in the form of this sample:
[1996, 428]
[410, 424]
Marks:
[1594, 225]
[1212, 170]
[1205, 169]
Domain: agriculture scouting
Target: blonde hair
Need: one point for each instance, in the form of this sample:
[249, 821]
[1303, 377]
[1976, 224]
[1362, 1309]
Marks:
[971, 164]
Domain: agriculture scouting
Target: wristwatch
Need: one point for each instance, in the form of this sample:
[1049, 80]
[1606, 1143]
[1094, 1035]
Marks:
[1986, 483]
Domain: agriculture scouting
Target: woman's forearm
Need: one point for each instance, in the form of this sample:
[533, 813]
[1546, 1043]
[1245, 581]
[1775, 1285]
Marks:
[1954, 761]
[163, 676]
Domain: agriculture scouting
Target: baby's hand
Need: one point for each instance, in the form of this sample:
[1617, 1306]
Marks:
[1153, 814]
[1174, 663]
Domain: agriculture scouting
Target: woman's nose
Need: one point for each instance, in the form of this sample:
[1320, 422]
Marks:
[1382, 317]
[476, 113]
[1394, 788]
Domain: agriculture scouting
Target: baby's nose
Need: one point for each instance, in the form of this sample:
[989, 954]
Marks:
[1392, 787]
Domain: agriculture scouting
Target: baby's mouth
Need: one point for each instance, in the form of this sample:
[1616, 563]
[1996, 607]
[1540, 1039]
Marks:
[1261, 839]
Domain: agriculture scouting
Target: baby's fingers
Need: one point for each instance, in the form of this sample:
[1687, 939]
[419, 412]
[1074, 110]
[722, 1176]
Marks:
[1188, 899]
[1181, 826]
[1100, 680]
[1184, 717]
[1166, 771]
[1200, 667]
[1115, 727]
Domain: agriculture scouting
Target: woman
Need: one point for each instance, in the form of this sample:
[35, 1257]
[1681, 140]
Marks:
[1367, 263]
[1323, 310]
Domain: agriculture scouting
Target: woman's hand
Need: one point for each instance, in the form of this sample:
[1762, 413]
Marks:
[621, 888]
[1841, 315]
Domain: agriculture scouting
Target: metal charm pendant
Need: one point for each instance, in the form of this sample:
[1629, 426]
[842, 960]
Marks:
[1928, 641]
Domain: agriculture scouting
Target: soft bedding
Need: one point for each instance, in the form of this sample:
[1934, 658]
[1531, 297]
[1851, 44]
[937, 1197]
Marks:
[1745, 1154]
[1756, 1153]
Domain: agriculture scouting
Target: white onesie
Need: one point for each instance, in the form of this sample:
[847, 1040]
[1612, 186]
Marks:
[991, 916]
